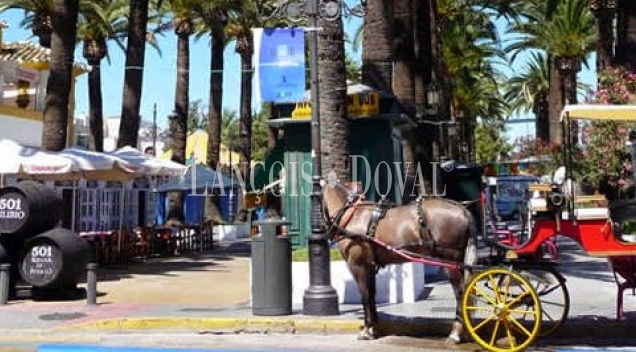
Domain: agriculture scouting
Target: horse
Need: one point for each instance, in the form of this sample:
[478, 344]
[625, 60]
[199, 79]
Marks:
[371, 235]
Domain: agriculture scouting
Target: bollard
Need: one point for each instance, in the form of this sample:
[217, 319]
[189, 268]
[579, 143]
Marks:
[91, 284]
[5, 278]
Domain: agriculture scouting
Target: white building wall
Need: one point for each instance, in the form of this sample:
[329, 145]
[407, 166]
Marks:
[24, 131]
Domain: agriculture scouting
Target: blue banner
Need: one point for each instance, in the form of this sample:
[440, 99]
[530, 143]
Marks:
[280, 64]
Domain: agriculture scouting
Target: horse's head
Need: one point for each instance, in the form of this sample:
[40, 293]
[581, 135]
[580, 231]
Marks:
[336, 195]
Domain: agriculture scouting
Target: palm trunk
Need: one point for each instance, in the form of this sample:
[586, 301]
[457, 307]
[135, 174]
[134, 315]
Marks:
[377, 54]
[404, 85]
[179, 124]
[216, 99]
[246, 99]
[214, 116]
[555, 102]
[56, 110]
[133, 79]
[333, 107]
[604, 44]
[541, 111]
[95, 113]
[626, 38]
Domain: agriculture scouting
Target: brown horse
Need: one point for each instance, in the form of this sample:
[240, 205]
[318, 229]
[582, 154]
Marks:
[371, 236]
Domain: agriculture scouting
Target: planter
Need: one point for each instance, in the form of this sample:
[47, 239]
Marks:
[233, 232]
[403, 283]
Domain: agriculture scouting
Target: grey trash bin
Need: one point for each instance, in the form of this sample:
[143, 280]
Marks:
[271, 270]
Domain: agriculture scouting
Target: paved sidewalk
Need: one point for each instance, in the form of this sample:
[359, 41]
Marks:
[210, 293]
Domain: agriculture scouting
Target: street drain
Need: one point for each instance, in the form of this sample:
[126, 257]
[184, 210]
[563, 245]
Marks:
[62, 316]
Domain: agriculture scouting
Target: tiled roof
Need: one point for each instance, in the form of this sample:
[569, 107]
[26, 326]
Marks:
[29, 52]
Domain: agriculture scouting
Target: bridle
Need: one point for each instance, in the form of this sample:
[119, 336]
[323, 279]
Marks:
[344, 214]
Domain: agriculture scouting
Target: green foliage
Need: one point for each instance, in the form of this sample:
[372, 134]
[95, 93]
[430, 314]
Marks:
[259, 133]
[490, 142]
[302, 255]
[197, 118]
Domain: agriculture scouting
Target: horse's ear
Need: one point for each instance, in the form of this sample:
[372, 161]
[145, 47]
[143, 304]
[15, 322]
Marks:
[323, 183]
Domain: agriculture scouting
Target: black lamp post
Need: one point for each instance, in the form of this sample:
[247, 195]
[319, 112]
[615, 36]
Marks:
[319, 298]
[230, 201]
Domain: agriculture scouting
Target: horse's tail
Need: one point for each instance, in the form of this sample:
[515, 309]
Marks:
[470, 253]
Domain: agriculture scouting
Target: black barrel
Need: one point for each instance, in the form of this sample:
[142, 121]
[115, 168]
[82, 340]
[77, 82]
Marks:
[54, 259]
[28, 208]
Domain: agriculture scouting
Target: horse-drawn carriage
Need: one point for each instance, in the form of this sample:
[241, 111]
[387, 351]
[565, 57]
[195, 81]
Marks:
[504, 302]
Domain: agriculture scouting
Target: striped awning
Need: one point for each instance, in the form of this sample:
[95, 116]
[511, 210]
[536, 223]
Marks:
[26, 51]
[599, 112]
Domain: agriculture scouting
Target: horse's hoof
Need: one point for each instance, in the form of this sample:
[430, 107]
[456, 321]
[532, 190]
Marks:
[366, 334]
[365, 337]
[453, 340]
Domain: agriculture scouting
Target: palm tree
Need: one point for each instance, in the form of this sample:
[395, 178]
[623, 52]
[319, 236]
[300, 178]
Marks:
[333, 101]
[215, 17]
[470, 51]
[56, 112]
[240, 28]
[568, 37]
[94, 33]
[184, 14]
[38, 16]
[133, 77]
[528, 91]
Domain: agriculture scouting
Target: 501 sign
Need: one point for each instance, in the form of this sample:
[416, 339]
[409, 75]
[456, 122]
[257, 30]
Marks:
[10, 204]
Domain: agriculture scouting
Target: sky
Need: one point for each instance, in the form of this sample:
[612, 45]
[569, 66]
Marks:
[160, 74]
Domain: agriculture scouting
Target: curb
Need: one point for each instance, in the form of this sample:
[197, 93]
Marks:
[575, 330]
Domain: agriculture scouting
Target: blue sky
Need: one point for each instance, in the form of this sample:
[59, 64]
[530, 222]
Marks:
[160, 74]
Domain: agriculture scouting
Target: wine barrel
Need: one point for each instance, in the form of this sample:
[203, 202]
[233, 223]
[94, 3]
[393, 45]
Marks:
[54, 259]
[28, 208]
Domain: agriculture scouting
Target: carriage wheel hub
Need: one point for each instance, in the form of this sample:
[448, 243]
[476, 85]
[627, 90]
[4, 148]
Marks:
[500, 310]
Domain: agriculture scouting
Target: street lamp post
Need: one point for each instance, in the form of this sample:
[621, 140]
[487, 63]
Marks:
[230, 201]
[320, 298]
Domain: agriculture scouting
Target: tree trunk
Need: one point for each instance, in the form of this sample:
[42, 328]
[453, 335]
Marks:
[56, 110]
[133, 78]
[216, 99]
[626, 38]
[404, 86]
[246, 99]
[95, 113]
[377, 53]
[555, 102]
[214, 116]
[604, 44]
[333, 101]
[541, 111]
[179, 124]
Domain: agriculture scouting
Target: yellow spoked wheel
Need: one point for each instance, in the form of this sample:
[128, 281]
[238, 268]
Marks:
[495, 310]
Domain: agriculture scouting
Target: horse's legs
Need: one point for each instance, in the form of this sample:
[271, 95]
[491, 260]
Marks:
[457, 282]
[365, 278]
